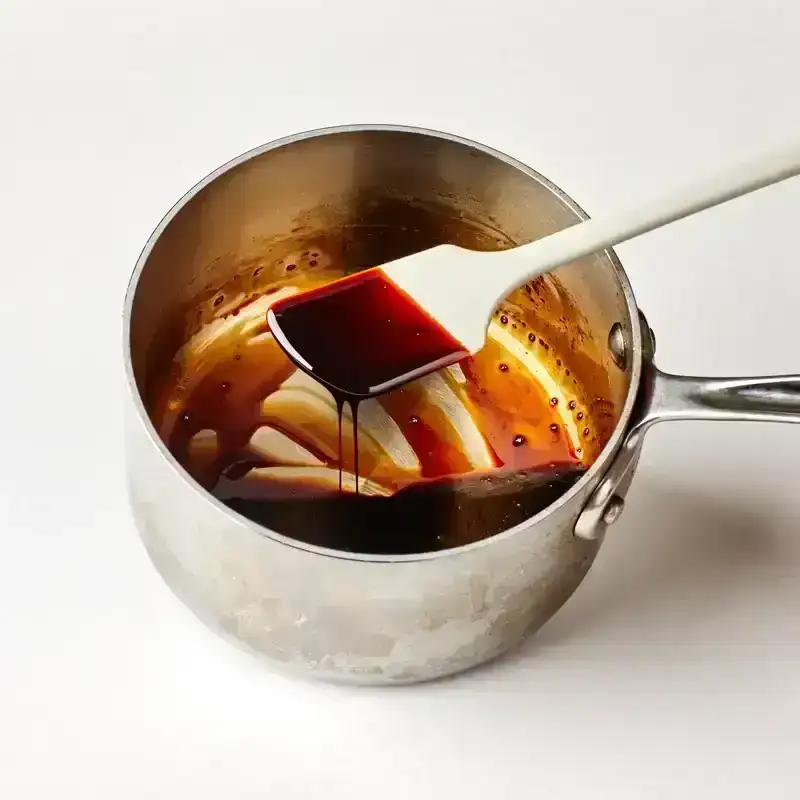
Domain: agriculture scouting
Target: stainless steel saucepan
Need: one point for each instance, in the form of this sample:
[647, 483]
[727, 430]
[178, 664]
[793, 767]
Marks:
[372, 194]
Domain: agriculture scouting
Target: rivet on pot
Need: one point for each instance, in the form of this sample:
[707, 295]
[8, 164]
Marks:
[614, 509]
[617, 346]
[648, 337]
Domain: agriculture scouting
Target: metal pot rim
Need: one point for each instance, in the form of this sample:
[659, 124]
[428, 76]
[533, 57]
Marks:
[597, 469]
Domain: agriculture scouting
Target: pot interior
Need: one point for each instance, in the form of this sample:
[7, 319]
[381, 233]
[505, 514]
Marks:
[310, 209]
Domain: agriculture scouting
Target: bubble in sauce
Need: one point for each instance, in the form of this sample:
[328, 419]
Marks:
[531, 337]
[519, 440]
[585, 431]
[580, 415]
[504, 319]
[219, 300]
[554, 401]
[503, 367]
[413, 419]
[290, 267]
[572, 405]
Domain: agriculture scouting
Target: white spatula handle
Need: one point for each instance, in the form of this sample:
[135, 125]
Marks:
[531, 260]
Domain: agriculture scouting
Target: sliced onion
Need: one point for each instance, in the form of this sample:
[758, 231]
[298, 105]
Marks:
[444, 394]
[273, 446]
[307, 411]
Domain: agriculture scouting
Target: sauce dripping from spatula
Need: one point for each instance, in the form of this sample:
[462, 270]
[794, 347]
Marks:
[380, 339]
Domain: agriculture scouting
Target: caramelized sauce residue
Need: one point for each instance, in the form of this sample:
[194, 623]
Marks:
[451, 457]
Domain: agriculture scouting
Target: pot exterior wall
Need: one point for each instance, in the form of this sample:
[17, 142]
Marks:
[346, 620]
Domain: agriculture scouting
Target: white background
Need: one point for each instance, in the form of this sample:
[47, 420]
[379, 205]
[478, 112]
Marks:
[674, 672]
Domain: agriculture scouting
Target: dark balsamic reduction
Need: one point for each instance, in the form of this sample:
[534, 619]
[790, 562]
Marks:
[424, 517]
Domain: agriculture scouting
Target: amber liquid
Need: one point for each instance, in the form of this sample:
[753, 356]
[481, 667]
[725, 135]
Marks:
[450, 458]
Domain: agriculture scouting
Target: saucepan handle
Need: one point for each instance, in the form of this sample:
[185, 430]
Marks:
[768, 399]
[667, 397]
